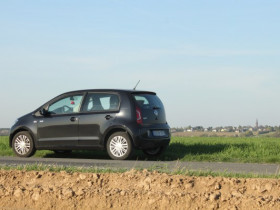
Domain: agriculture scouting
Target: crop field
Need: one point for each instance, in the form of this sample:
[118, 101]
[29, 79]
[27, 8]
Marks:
[213, 149]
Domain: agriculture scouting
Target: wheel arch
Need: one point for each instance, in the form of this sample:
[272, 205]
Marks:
[115, 129]
[20, 130]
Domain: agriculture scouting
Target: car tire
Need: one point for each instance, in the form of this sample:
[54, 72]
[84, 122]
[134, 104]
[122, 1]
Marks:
[155, 152]
[119, 146]
[23, 144]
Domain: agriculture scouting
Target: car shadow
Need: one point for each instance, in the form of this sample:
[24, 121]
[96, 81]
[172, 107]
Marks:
[178, 151]
[79, 154]
[175, 151]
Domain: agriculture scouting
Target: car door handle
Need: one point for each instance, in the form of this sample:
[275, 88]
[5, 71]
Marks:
[108, 117]
[73, 119]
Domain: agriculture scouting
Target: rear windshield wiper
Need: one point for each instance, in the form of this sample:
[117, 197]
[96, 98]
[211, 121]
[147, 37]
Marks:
[156, 107]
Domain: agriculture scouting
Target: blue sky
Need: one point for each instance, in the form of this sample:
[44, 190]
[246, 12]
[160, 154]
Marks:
[213, 63]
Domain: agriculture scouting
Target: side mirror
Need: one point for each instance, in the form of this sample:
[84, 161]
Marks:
[43, 112]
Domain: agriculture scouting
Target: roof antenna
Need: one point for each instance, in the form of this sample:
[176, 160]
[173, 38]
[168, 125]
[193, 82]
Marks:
[136, 85]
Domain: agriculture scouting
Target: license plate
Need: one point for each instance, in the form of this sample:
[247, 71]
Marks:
[159, 133]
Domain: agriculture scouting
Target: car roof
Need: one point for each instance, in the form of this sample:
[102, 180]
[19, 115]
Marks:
[110, 90]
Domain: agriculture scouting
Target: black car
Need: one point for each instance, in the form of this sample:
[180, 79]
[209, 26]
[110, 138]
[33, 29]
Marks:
[116, 120]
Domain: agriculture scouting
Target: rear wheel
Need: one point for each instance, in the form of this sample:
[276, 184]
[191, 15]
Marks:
[155, 152]
[23, 145]
[119, 146]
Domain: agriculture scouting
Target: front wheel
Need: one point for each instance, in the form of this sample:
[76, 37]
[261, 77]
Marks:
[23, 145]
[119, 146]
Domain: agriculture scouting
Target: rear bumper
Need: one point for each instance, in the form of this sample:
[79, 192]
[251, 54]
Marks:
[145, 138]
[151, 144]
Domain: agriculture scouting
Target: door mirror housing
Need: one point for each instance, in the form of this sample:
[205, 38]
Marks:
[43, 112]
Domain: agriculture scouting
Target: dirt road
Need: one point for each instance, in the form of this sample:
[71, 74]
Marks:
[133, 190]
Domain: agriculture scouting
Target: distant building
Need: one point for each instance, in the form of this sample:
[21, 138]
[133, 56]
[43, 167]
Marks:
[190, 130]
[173, 130]
[4, 131]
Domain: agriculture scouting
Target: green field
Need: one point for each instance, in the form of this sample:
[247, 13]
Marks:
[214, 149]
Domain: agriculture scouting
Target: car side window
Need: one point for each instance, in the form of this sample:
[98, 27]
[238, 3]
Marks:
[67, 105]
[101, 102]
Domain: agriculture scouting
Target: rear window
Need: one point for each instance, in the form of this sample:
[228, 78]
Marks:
[147, 101]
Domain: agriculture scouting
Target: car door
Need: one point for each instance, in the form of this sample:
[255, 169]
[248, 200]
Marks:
[97, 114]
[59, 128]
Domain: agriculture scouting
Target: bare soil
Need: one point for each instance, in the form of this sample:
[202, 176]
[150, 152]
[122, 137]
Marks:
[133, 190]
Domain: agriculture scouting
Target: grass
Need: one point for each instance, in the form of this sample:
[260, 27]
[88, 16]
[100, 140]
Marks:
[73, 169]
[213, 149]
[225, 149]
[69, 169]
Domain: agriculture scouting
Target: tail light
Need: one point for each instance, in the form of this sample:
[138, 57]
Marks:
[139, 116]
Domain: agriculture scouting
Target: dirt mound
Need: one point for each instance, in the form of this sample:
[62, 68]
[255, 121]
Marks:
[133, 190]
